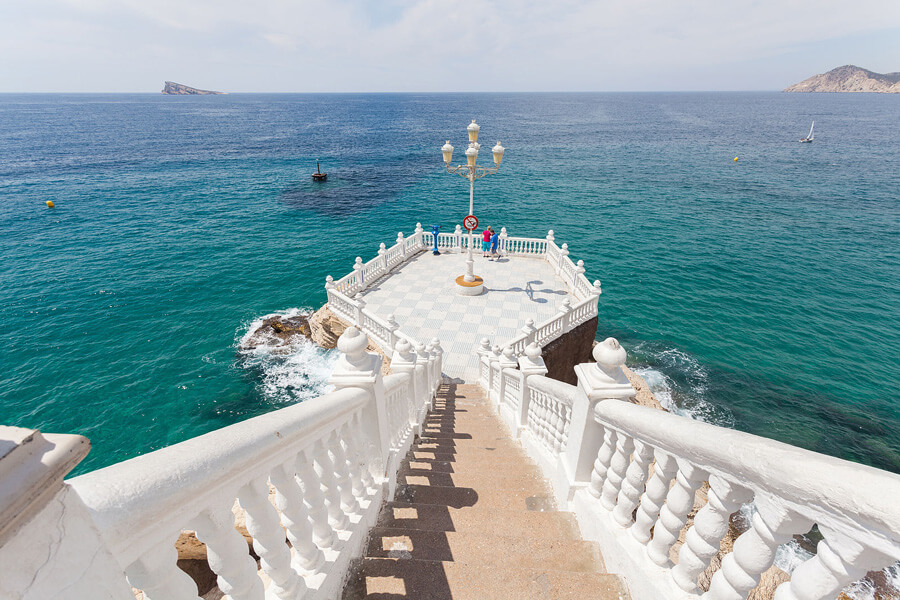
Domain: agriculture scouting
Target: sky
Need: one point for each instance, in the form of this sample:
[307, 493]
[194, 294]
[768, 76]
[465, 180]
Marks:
[438, 46]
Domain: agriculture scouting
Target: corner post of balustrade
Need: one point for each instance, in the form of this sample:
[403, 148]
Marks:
[357, 368]
[579, 271]
[419, 235]
[602, 380]
[404, 361]
[531, 364]
[494, 360]
[563, 253]
[484, 371]
[424, 391]
[329, 285]
[507, 361]
[401, 245]
[502, 242]
[528, 329]
[429, 370]
[565, 309]
[438, 363]
[551, 239]
[360, 307]
[394, 327]
[457, 238]
[360, 273]
[49, 544]
[382, 254]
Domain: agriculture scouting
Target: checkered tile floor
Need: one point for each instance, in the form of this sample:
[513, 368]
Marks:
[421, 295]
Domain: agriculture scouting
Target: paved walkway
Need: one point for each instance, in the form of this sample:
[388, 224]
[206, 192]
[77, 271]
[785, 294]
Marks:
[473, 519]
[421, 295]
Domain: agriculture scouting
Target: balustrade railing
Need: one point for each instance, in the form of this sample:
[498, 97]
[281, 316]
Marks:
[631, 475]
[308, 479]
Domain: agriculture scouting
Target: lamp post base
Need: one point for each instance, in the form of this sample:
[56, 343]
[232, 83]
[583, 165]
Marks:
[469, 288]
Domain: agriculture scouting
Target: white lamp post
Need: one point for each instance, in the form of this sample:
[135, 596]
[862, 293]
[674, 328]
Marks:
[469, 284]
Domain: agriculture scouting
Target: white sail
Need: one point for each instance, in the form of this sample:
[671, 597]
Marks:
[810, 136]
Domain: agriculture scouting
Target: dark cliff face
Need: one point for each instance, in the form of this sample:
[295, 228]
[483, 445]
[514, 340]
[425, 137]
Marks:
[849, 78]
[176, 89]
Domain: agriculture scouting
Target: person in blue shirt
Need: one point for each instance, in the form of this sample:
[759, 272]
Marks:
[495, 243]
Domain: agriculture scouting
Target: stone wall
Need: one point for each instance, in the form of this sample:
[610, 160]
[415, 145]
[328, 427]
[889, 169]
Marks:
[573, 348]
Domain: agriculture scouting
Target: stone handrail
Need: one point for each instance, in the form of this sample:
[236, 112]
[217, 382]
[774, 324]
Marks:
[630, 474]
[303, 484]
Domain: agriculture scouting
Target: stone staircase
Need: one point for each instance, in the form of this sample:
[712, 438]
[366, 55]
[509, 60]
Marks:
[472, 518]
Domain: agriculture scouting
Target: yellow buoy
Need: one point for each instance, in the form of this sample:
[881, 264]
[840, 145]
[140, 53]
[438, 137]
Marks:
[50, 203]
[735, 159]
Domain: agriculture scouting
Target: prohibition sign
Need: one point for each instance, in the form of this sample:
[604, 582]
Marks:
[470, 222]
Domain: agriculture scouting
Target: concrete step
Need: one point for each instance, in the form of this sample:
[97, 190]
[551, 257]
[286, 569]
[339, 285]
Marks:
[510, 523]
[488, 498]
[489, 477]
[432, 580]
[484, 548]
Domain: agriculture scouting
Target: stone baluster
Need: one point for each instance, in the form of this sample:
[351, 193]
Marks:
[579, 270]
[838, 562]
[507, 361]
[360, 307]
[602, 380]
[295, 516]
[601, 465]
[227, 554]
[394, 327]
[429, 367]
[418, 234]
[710, 526]
[263, 524]
[615, 475]
[359, 469]
[360, 273]
[157, 575]
[528, 329]
[323, 533]
[501, 248]
[382, 254]
[652, 501]
[633, 484]
[401, 243]
[673, 515]
[484, 351]
[457, 238]
[325, 469]
[438, 363]
[563, 253]
[343, 474]
[557, 421]
[565, 310]
[496, 353]
[754, 550]
[531, 364]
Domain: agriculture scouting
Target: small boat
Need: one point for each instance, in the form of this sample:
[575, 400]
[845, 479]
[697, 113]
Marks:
[808, 139]
[319, 175]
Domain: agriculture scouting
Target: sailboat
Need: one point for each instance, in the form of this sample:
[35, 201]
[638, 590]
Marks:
[808, 139]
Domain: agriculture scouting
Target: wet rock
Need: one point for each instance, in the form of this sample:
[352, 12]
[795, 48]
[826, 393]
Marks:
[277, 331]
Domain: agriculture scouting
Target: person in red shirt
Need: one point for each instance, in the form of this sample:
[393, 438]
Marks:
[486, 241]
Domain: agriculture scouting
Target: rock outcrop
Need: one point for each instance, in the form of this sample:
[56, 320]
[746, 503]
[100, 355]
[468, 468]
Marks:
[177, 89]
[278, 332]
[849, 78]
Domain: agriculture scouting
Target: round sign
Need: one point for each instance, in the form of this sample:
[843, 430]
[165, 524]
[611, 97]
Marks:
[470, 222]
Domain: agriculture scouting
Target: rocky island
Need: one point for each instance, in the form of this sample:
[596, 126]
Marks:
[177, 89]
[849, 78]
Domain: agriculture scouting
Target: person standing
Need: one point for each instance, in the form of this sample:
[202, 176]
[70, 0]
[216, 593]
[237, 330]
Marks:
[495, 244]
[486, 241]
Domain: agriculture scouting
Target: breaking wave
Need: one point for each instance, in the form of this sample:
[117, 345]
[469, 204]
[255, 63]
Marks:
[289, 371]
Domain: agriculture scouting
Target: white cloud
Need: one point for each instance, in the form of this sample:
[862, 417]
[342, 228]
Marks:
[354, 45]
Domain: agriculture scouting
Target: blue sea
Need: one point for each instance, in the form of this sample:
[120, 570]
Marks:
[761, 294]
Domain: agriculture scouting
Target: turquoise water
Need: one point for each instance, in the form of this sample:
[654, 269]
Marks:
[761, 294]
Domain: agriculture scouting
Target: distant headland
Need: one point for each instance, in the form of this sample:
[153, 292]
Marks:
[176, 89]
[849, 78]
